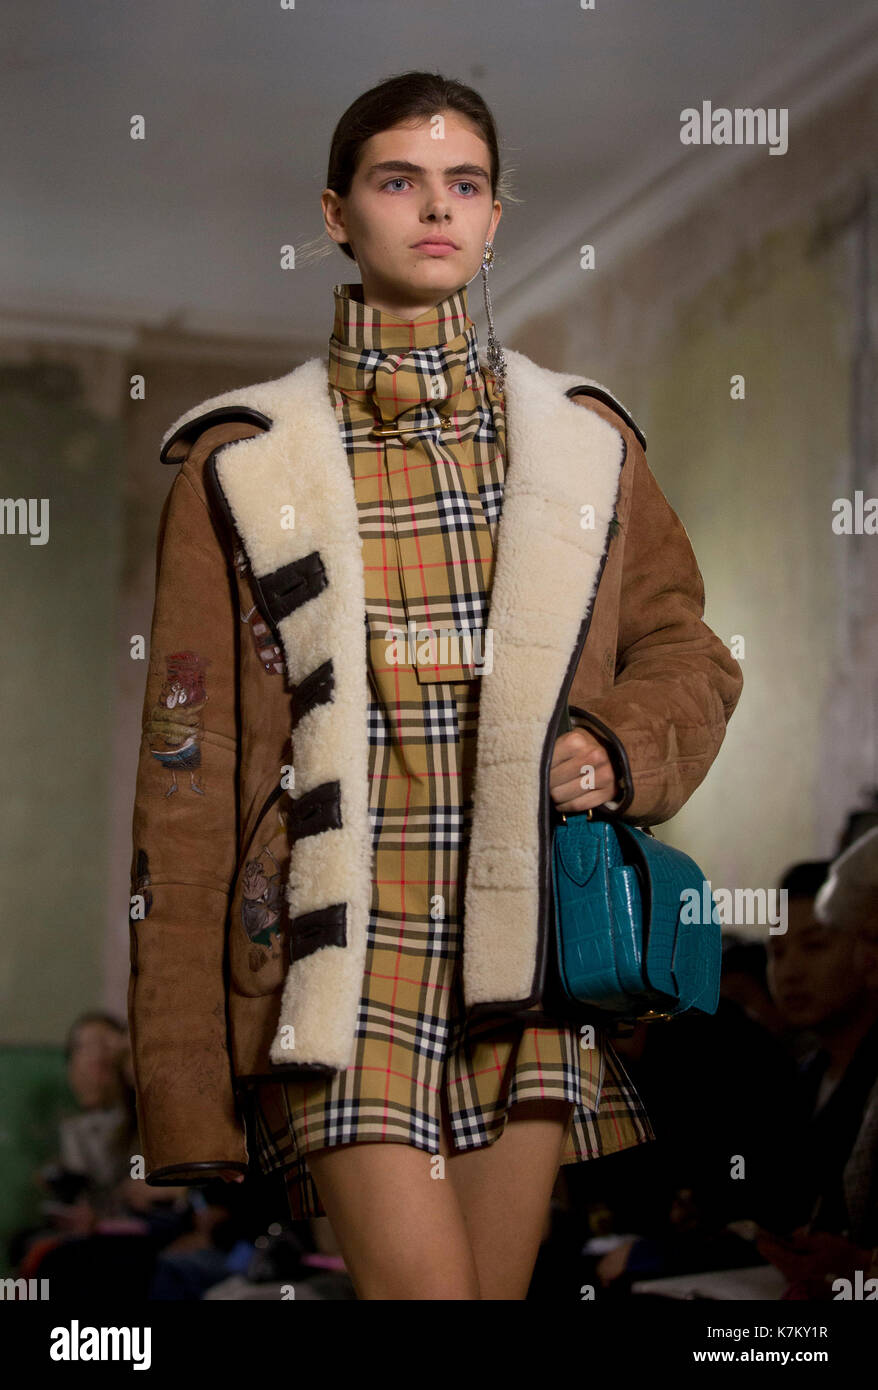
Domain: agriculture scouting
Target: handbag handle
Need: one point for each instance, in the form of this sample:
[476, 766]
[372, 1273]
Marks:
[565, 724]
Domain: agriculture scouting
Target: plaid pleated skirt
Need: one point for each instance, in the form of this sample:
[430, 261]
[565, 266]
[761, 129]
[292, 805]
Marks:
[416, 1062]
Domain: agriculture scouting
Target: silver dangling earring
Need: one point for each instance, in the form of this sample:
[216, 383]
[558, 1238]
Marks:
[495, 356]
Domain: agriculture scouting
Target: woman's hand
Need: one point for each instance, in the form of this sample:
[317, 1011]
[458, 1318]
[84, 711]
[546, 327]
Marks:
[579, 762]
[812, 1255]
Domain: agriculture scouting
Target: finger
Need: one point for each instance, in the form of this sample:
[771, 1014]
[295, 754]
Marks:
[586, 773]
[599, 786]
[577, 746]
[587, 801]
[584, 776]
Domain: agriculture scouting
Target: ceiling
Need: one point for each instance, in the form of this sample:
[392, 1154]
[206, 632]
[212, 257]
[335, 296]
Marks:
[240, 98]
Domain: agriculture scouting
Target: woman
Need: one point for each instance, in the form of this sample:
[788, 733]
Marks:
[410, 1076]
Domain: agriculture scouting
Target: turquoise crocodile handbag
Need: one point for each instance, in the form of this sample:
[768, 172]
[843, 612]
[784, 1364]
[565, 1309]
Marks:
[631, 938]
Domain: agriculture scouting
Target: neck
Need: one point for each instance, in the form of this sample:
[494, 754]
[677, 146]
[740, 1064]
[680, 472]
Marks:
[399, 304]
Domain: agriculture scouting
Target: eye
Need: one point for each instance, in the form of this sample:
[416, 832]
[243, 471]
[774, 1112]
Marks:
[398, 179]
[466, 183]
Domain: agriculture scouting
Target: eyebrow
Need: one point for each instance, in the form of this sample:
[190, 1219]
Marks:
[391, 165]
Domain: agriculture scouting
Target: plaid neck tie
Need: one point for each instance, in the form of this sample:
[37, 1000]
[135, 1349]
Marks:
[410, 371]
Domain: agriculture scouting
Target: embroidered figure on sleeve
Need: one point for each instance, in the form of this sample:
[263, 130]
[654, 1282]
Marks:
[175, 725]
[261, 907]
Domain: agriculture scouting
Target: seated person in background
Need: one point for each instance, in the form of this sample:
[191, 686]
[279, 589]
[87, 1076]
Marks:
[90, 1188]
[745, 965]
[97, 1143]
[720, 1091]
[860, 1181]
[743, 981]
[823, 975]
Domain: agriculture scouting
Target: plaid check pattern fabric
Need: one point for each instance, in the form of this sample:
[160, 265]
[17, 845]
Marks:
[429, 494]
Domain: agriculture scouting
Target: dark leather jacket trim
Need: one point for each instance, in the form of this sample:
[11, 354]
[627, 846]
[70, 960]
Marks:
[313, 930]
[316, 689]
[281, 1071]
[618, 756]
[607, 399]
[276, 792]
[170, 1175]
[216, 489]
[222, 502]
[316, 810]
[287, 588]
[188, 433]
[280, 592]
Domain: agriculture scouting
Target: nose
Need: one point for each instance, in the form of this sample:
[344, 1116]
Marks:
[436, 204]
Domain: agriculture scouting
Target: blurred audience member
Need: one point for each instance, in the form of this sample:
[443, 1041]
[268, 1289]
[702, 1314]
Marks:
[823, 975]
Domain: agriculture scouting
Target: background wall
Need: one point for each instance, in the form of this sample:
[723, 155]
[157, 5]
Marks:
[771, 275]
[62, 438]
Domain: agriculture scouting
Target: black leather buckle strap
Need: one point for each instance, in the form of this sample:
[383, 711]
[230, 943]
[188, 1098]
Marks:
[313, 930]
[316, 810]
[316, 689]
[287, 588]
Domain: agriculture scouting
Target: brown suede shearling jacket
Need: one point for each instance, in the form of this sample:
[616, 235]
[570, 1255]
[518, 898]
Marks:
[254, 730]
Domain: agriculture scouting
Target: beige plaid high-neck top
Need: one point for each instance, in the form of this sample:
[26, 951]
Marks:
[423, 425]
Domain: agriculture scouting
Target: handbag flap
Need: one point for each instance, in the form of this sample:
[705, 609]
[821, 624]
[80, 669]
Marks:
[682, 960]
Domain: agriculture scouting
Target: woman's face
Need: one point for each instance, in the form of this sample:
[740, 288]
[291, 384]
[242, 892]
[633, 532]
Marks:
[434, 178]
[818, 975]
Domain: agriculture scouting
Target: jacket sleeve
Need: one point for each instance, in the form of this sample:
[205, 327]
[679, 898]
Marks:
[185, 838]
[676, 683]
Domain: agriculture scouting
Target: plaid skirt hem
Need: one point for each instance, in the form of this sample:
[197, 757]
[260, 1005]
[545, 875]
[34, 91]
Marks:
[281, 1143]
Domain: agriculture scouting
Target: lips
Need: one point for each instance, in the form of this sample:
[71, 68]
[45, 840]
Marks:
[434, 243]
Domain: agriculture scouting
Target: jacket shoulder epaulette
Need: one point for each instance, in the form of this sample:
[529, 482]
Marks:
[177, 446]
[600, 393]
